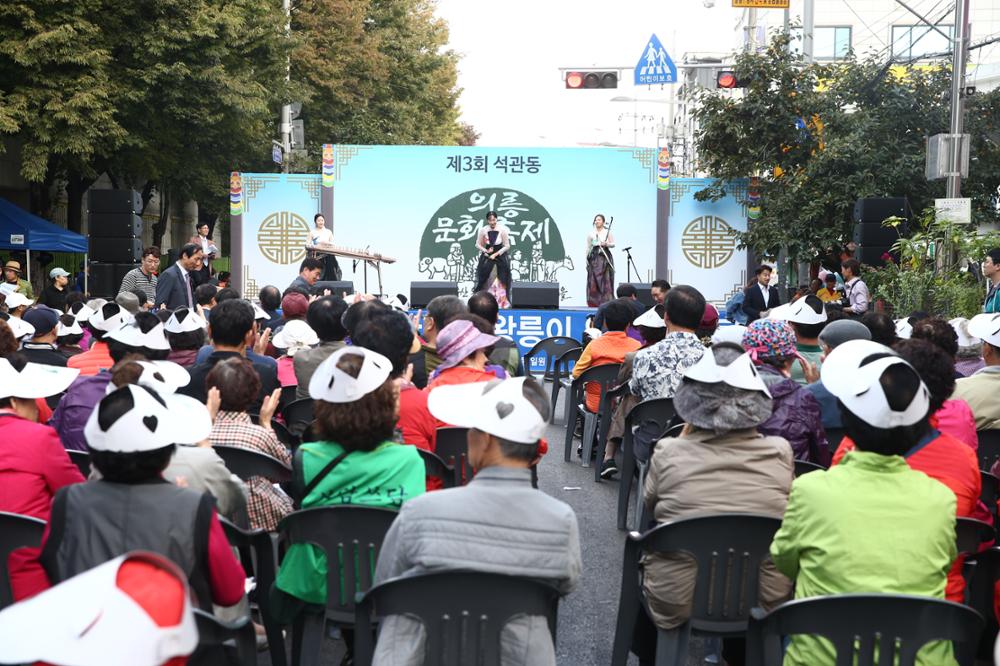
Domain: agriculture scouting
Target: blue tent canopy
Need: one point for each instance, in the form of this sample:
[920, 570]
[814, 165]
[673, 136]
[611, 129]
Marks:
[20, 230]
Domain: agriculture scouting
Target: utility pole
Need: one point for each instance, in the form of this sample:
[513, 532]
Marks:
[286, 109]
[959, 51]
[808, 27]
[752, 30]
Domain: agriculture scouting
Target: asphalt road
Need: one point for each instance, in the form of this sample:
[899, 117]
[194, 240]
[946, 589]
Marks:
[587, 616]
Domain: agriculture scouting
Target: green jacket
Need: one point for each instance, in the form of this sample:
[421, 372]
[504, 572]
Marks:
[384, 477]
[869, 525]
[992, 302]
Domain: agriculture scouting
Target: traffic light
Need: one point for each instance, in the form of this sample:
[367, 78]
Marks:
[727, 80]
[592, 79]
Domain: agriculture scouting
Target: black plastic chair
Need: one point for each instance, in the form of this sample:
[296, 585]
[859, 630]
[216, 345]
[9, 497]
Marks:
[221, 643]
[16, 531]
[246, 463]
[351, 537]
[989, 493]
[660, 411]
[82, 461]
[605, 375]
[437, 468]
[989, 448]
[552, 348]
[979, 593]
[452, 446]
[298, 415]
[463, 613]
[970, 533]
[280, 431]
[258, 555]
[728, 549]
[804, 467]
[860, 624]
[561, 378]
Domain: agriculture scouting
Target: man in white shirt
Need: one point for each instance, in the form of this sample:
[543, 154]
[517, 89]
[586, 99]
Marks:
[760, 297]
[855, 290]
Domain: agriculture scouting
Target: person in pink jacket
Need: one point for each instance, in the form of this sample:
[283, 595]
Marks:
[33, 462]
[955, 416]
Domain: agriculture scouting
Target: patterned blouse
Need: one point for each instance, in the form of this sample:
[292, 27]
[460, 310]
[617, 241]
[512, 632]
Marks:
[657, 370]
[266, 504]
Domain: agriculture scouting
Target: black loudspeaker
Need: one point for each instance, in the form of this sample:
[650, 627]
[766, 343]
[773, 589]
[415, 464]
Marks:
[422, 292]
[114, 201]
[872, 254]
[868, 233]
[116, 250]
[115, 225]
[337, 288]
[643, 292]
[535, 295]
[106, 278]
[878, 209]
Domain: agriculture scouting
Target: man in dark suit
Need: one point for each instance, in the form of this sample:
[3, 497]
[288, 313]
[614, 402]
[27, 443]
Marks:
[759, 297]
[174, 288]
[233, 330]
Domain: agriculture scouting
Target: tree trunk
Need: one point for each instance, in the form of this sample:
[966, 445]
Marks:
[160, 226]
[147, 194]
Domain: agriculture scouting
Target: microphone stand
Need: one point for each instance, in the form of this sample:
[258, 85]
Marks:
[630, 264]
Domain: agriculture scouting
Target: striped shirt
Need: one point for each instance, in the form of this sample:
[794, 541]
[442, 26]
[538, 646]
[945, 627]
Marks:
[136, 279]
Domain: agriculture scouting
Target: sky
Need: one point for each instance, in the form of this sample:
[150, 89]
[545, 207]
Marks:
[513, 92]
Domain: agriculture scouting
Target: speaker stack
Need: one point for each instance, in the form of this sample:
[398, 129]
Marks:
[644, 292]
[535, 295]
[873, 239]
[422, 291]
[115, 238]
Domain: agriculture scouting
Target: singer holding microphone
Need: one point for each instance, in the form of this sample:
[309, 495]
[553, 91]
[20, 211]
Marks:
[600, 265]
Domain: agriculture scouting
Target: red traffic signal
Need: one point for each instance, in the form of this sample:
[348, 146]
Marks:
[577, 80]
[726, 79]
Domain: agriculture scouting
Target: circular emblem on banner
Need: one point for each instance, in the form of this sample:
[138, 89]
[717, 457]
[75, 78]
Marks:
[708, 242]
[282, 237]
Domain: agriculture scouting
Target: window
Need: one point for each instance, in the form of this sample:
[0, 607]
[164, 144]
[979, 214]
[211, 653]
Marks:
[916, 41]
[830, 42]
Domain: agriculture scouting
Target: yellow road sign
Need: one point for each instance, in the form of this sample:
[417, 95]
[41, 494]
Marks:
[762, 4]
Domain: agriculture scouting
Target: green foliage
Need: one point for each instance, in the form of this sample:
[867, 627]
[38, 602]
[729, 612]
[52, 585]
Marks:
[933, 274]
[875, 121]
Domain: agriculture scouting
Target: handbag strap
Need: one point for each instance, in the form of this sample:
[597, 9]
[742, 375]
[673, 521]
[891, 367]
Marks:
[315, 481]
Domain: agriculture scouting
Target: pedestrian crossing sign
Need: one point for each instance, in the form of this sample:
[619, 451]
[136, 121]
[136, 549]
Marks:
[655, 65]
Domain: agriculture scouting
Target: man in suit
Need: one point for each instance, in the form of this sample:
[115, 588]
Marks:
[759, 296]
[174, 288]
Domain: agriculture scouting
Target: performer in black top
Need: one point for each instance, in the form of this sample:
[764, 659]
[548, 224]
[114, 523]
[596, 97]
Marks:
[493, 272]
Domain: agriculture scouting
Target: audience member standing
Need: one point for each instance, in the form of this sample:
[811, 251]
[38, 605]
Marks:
[760, 297]
[855, 290]
[174, 287]
[857, 527]
[54, 294]
[144, 276]
[497, 523]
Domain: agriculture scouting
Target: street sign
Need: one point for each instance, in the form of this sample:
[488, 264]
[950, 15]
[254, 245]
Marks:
[655, 65]
[276, 154]
[761, 4]
[956, 211]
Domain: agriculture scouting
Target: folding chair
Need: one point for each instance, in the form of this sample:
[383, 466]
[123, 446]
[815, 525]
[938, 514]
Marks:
[222, 643]
[561, 378]
[552, 348]
[246, 463]
[452, 447]
[659, 411]
[989, 448]
[16, 531]
[82, 461]
[437, 468]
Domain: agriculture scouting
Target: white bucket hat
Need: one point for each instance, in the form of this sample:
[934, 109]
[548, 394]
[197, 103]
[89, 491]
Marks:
[986, 327]
[16, 299]
[498, 407]
[109, 317]
[81, 311]
[129, 333]
[184, 320]
[732, 333]
[148, 421]
[35, 380]
[68, 325]
[164, 377]
[961, 326]
[799, 312]
[295, 336]
[650, 319]
[20, 328]
[850, 376]
[904, 329]
[331, 384]
[741, 373]
[88, 620]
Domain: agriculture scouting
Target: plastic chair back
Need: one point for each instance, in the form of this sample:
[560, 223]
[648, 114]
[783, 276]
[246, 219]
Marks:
[437, 468]
[658, 410]
[16, 531]
[552, 348]
[969, 533]
[463, 613]
[82, 461]
[728, 549]
[979, 593]
[246, 463]
[560, 373]
[989, 448]
[989, 492]
[861, 625]
[214, 637]
[804, 467]
[298, 415]
[452, 446]
[351, 537]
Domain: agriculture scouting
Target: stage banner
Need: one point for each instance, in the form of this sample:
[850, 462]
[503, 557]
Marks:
[423, 205]
[701, 245]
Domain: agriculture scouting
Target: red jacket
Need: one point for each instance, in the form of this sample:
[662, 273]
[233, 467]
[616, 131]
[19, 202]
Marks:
[94, 360]
[33, 466]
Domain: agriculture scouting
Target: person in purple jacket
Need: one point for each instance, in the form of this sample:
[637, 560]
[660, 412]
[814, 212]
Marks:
[796, 416]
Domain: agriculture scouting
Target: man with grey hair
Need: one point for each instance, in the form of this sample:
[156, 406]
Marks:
[833, 335]
[497, 523]
[441, 311]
